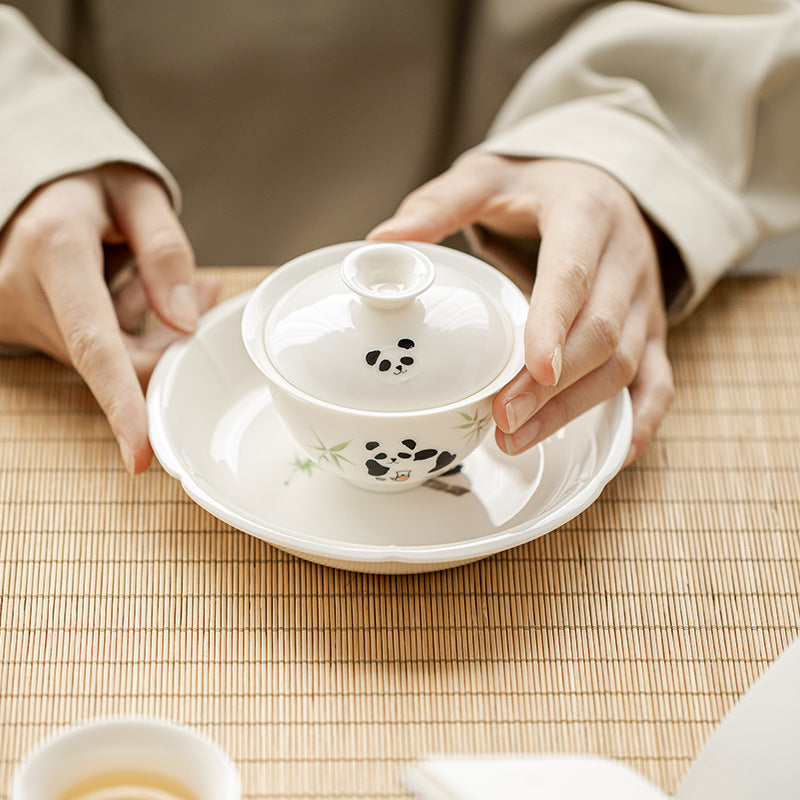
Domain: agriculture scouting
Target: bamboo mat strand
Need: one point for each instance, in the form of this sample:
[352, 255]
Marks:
[629, 632]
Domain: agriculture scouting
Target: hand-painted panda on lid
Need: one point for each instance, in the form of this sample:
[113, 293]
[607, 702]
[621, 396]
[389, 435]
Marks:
[390, 327]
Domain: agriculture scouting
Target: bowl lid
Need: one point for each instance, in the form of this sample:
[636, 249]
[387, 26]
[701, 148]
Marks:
[390, 327]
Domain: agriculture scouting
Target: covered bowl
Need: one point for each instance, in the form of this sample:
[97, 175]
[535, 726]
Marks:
[383, 358]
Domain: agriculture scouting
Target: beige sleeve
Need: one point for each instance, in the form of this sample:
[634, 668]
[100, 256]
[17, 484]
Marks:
[53, 120]
[697, 113]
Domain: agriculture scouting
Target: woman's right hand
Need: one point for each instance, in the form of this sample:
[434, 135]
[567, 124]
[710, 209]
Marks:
[54, 296]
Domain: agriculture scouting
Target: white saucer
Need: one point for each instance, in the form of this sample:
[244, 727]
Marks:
[213, 426]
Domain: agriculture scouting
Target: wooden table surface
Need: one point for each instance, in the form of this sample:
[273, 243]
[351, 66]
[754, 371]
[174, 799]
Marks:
[629, 632]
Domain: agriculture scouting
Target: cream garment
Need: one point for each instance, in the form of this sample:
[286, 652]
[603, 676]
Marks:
[293, 124]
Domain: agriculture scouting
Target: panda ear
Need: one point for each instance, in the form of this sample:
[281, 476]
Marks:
[372, 445]
[406, 344]
[372, 357]
[409, 443]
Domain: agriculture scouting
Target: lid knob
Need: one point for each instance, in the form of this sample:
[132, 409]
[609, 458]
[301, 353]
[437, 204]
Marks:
[387, 276]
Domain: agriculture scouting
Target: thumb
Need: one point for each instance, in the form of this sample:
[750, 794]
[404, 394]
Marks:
[438, 208]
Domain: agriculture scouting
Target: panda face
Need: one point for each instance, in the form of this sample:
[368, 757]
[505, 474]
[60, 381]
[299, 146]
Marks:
[388, 455]
[396, 461]
[394, 364]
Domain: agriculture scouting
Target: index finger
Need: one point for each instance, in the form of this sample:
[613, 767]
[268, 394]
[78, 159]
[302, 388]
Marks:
[444, 205]
[574, 238]
[142, 210]
[71, 279]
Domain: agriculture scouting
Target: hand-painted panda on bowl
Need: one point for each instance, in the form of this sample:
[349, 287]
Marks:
[383, 359]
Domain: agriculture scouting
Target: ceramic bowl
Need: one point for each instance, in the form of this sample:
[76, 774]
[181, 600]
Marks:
[383, 359]
[126, 757]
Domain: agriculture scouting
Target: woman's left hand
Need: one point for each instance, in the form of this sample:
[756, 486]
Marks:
[597, 321]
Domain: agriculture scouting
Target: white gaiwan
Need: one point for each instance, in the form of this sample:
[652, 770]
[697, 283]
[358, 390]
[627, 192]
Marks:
[382, 359]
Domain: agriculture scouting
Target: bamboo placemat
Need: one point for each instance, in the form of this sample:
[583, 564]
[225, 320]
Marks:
[629, 632]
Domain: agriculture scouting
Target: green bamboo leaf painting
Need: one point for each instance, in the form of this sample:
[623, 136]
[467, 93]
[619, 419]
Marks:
[304, 465]
[331, 455]
[474, 426]
[328, 455]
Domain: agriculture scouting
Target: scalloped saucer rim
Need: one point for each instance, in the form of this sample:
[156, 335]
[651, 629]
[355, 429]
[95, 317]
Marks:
[209, 447]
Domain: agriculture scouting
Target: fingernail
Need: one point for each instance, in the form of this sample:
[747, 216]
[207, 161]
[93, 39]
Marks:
[519, 409]
[511, 448]
[556, 364]
[182, 307]
[127, 455]
[524, 438]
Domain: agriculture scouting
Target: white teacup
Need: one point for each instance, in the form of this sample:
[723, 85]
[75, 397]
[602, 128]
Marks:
[126, 758]
[383, 358]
